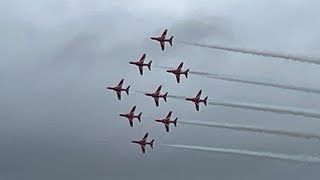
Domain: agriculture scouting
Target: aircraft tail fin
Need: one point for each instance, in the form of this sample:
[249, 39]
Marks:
[139, 117]
[175, 122]
[127, 90]
[165, 97]
[151, 143]
[186, 73]
[205, 101]
[149, 65]
[170, 40]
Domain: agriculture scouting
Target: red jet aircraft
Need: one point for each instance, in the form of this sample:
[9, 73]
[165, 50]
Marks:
[178, 71]
[166, 121]
[156, 95]
[197, 100]
[119, 88]
[131, 115]
[162, 39]
[143, 142]
[141, 63]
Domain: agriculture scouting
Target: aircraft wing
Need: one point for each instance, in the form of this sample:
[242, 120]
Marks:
[167, 127]
[159, 89]
[178, 78]
[141, 70]
[164, 33]
[131, 122]
[169, 115]
[199, 94]
[197, 106]
[180, 66]
[119, 95]
[142, 58]
[133, 109]
[156, 100]
[162, 45]
[143, 149]
[120, 83]
[145, 137]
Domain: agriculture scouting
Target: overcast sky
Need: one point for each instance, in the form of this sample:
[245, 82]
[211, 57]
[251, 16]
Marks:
[59, 122]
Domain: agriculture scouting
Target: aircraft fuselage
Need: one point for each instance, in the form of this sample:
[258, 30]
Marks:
[158, 39]
[138, 63]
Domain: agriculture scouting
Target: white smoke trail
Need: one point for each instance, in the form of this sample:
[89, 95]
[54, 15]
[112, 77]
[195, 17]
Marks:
[257, 52]
[253, 129]
[275, 109]
[176, 97]
[261, 107]
[137, 91]
[234, 79]
[269, 155]
[163, 67]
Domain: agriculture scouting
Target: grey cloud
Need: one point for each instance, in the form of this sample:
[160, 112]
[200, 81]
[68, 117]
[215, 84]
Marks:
[55, 108]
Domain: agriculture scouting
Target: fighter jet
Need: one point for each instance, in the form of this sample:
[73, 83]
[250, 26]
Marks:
[141, 63]
[166, 121]
[178, 71]
[156, 95]
[143, 142]
[197, 100]
[162, 39]
[131, 115]
[119, 88]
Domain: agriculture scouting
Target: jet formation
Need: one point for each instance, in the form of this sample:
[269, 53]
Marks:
[155, 95]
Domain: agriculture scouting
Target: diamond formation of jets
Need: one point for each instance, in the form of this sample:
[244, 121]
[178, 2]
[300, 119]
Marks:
[197, 100]
[166, 121]
[143, 142]
[162, 39]
[119, 89]
[177, 72]
[156, 95]
[130, 116]
[141, 63]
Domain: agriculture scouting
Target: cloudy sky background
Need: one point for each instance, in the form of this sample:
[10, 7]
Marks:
[59, 122]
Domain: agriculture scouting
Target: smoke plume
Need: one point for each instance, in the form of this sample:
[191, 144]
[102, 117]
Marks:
[253, 129]
[258, 52]
[268, 155]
